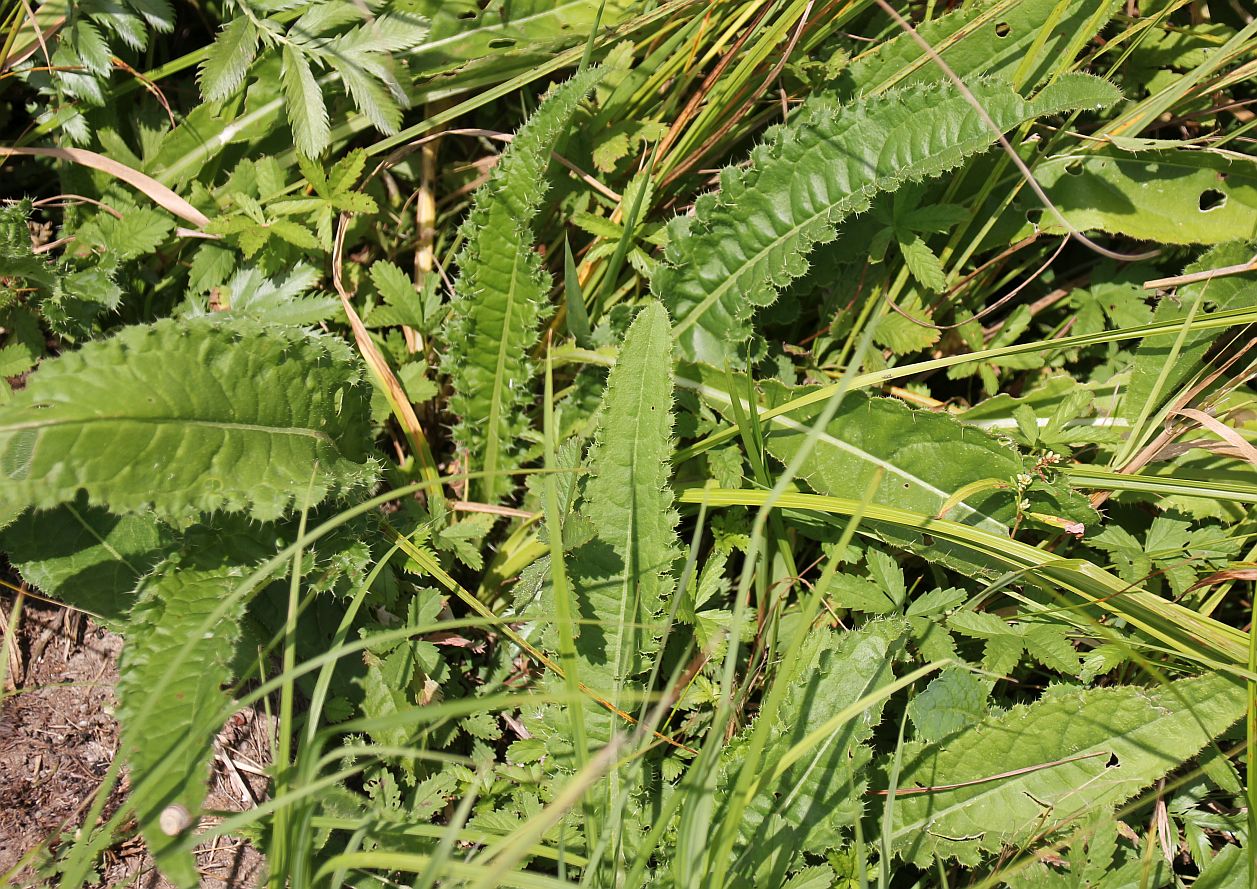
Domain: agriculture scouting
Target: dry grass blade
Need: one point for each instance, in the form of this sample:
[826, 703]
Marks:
[147, 185]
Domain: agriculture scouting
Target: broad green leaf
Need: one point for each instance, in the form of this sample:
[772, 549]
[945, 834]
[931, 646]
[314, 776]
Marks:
[85, 556]
[1031, 771]
[501, 294]
[750, 239]
[1168, 196]
[190, 417]
[927, 461]
[812, 805]
[504, 37]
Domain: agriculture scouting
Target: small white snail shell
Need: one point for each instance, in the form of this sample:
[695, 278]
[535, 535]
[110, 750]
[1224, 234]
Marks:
[174, 820]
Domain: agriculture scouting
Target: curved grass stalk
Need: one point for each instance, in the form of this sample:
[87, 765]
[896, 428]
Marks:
[1182, 629]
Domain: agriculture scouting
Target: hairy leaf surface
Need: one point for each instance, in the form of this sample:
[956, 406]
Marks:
[750, 239]
[85, 556]
[190, 417]
[1075, 751]
[622, 577]
[169, 719]
[500, 296]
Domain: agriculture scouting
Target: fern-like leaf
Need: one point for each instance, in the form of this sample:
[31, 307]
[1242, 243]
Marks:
[500, 296]
[1033, 770]
[190, 417]
[304, 104]
[233, 52]
[751, 238]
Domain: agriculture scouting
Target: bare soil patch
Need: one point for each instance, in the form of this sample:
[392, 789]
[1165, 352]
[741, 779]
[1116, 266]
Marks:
[58, 738]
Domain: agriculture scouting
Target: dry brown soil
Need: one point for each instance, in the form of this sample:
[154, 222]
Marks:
[58, 738]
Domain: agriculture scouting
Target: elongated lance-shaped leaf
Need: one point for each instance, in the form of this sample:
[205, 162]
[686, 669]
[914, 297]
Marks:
[628, 499]
[501, 293]
[189, 417]
[747, 241]
[621, 574]
[1033, 770]
[815, 801]
[169, 720]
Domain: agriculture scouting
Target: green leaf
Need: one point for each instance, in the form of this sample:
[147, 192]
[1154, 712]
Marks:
[1152, 365]
[953, 700]
[1171, 196]
[86, 557]
[190, 417]
[307, 112]
[1029, 772]
[169, 720]
[746, 242]
[813, 803]
[991, 37]
[926, 459]
[501, 293]
[925, 267]
[622, 577]
[228, 59]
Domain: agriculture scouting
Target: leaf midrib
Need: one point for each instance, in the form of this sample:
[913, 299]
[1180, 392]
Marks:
[54, 422]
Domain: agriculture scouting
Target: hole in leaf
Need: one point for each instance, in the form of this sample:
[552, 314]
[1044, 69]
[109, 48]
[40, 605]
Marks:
[467, 15]
[1112, 761]
[1034, 216]
[1211, 199]
[1074, 168]
[501, 43]
[1003, 29]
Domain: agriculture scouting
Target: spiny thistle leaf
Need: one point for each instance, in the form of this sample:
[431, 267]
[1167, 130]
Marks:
[750, 239]
[190, 417]
[622, 576]
[501, 293]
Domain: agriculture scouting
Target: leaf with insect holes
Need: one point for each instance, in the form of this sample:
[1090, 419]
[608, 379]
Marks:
[1028, 773]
